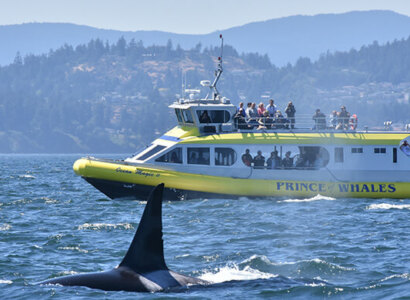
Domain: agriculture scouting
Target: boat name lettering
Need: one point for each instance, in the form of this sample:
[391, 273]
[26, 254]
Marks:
[123, 171]
[146, 174]
[340, 187]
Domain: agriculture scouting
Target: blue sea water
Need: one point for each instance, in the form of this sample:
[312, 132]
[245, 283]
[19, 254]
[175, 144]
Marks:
[53, 223]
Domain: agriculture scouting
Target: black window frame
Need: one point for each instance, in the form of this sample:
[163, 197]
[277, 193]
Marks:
[163, 159]
[154, 150]
[357, 150]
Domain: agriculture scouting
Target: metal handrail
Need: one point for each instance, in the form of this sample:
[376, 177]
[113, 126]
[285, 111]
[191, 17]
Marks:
[303, 121]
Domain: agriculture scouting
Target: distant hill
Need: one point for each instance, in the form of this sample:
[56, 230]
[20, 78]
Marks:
[113, 98]
[284, 39]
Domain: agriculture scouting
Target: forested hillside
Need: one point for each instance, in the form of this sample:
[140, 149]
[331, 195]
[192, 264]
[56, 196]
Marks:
[113, 98]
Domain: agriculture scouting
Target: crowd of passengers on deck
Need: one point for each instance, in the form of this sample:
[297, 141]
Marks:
[270, 117]
[304, 160]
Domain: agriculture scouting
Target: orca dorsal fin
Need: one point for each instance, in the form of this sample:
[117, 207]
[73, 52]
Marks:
[146, 252]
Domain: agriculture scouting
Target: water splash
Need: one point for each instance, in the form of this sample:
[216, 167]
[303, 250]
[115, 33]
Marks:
[233, 272]
[318, 197]
[5, 227]
[388, 206]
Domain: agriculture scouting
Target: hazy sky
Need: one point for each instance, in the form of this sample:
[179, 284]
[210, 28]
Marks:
[180, 16]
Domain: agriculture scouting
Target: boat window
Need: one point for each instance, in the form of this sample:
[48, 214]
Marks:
[203, 116]
[213, 116]
[225, 156]
[311, 157]
[187, 116]
[174, 156]
[198, 156]
[339, 155]
[379, 150]
[151, 152]
[357, 150]
[178, 113]
[286, 157]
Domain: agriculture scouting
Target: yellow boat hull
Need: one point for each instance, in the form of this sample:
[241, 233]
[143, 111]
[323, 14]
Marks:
[133, 178]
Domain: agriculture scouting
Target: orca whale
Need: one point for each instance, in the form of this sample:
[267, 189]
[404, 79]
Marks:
[143, 269]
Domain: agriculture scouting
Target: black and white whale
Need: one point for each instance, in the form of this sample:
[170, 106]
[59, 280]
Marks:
[143, 269]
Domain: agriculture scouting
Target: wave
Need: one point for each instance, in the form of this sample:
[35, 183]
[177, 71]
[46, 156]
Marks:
[27, 176]
[397, 276]
[98, 226]
[4, 281]
[308, 267]
[49, 200]
[388, 206]
[318, 197]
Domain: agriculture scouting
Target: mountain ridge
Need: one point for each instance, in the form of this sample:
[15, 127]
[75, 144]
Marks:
[291, 37]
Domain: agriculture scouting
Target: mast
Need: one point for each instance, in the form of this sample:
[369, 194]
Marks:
[218, 73]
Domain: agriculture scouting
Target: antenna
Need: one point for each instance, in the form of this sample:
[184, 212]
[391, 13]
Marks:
[218, 73]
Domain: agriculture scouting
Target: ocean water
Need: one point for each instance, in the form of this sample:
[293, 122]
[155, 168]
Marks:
[53, 223]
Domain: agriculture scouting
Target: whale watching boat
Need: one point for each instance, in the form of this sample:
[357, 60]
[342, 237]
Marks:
[211, 153]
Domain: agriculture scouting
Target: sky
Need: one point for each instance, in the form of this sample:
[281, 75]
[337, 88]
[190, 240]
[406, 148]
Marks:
[179, 16]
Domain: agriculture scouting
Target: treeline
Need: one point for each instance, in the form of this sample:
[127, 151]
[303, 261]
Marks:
[104, 97]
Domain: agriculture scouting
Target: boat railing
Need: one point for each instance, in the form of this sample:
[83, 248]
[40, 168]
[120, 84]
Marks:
[302, 122]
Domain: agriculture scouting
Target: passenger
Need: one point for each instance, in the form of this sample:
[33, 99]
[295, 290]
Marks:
[271, 108]
[333, 120]
[248, 107]
[261, 109]
[265, 122]
[239, 120]
[252, 116]
[353, 122]
[287, 162]
[280, 120]
[253, 112]
[343, 119]
[193, 159]
[290, 112]
[273, 161]
[259, 160]
[320, 120]
[202, 160]
[174, 158]
[204, 118]
[240, 107]
[405, 147]
[247, 158]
